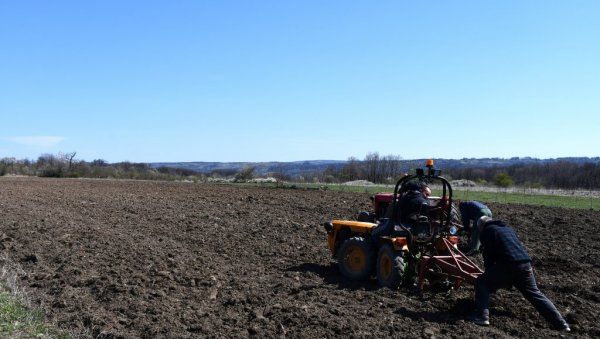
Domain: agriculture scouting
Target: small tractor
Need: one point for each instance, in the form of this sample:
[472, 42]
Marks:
[398, 252]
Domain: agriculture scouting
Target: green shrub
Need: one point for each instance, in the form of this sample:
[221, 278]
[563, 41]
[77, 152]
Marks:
[244, 174]
[503, 180]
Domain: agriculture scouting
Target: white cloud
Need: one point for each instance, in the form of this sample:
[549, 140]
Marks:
[37, 141]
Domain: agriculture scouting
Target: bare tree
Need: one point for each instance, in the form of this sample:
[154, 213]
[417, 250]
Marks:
[351, 170]
[69, 156]
[373, 166]
[391, 167]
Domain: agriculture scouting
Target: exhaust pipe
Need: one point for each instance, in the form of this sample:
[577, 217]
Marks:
[328, 226]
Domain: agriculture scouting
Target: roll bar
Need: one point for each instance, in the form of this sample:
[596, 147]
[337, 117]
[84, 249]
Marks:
[423, 175]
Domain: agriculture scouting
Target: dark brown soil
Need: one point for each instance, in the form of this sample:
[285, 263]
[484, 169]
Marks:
[134, 259]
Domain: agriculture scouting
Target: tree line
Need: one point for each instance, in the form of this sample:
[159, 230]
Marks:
[65, 165]
[388, 169]
[373, 168]
[561, 175]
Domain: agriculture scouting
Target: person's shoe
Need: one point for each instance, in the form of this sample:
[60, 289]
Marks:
[565, 328]
[480, 320]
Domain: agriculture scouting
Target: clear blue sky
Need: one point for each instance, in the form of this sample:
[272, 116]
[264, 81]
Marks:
[150, 81]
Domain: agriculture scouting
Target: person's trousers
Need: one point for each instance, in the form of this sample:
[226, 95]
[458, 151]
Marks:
[521, 277]
[385, 228]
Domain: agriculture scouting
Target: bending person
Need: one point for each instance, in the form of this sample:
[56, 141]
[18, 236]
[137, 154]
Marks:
[507, 264]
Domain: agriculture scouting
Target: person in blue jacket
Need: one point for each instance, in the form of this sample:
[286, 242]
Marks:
[508, 264]
[470, 212]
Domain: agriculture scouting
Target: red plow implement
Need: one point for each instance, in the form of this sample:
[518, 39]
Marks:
[454, 265]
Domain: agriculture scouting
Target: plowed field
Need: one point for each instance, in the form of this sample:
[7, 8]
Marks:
[136, 259]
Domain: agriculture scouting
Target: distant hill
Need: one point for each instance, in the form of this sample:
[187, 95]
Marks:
[293, 168]
[296, 168]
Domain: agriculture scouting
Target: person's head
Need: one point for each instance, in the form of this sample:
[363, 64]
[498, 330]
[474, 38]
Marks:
[481, 222]
[426, 191]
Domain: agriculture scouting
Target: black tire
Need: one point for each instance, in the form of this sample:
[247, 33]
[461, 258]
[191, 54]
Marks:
[390, 267]
[455, 215]
[356, 258]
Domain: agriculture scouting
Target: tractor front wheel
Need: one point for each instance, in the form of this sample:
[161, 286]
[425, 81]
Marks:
[356, 258]
[390, 267]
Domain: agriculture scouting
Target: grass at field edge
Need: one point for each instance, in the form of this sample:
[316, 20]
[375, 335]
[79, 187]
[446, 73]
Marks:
[18, 321]
[500, 196]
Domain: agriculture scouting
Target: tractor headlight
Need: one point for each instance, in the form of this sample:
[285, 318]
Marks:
[453, 230]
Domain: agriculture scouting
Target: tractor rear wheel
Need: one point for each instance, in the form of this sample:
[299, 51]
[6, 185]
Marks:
[390, 267]
[356, 258]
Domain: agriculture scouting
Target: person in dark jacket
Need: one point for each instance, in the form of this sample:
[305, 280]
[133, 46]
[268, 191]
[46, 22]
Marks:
[412, 204]
[507, 264]
[470, 212]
